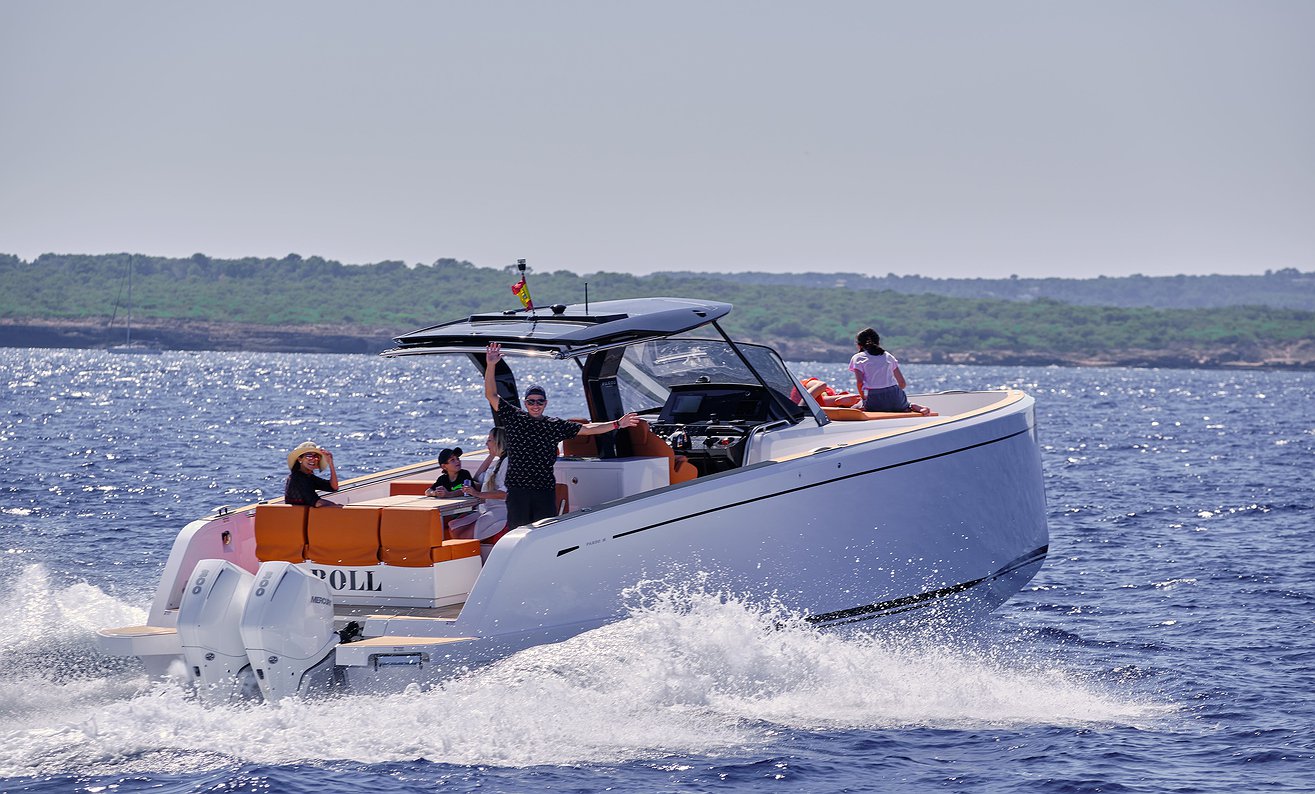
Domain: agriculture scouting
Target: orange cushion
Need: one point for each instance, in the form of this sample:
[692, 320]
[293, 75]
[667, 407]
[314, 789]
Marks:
[648, 444]
[409, 487]
[580, 446]
[281, 533]
[408, 533]
[456, 550]
[343, 535]
[645, 443]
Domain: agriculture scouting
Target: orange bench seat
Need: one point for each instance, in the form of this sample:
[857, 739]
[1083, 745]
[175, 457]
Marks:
[408, 535]
[281, 532]
[343, 535]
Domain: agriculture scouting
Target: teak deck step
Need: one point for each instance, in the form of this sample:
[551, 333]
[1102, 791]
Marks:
[838, 414]
[140, 641]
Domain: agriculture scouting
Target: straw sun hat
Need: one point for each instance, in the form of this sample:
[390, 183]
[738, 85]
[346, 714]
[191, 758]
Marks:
[302, 449]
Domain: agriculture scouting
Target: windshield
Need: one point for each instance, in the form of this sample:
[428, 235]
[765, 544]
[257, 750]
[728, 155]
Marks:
[650, 370]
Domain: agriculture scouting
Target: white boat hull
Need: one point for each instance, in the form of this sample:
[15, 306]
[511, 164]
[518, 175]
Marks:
[849, 525]
[950, 519]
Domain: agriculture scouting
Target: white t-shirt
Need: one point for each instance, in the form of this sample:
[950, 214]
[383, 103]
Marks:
[878, 371]
[495, 476]
[492, 512]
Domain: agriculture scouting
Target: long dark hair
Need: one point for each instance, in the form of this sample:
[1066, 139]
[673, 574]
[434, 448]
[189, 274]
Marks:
[499, 436]
[870, 341]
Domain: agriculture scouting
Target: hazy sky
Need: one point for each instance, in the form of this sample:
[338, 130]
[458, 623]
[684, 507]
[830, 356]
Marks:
[941, 138]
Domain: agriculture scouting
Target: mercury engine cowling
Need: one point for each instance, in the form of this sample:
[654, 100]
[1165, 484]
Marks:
[287, 629]
[209, 630]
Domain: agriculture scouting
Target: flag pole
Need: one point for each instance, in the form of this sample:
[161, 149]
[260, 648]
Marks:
[520, 266]
[522, 289]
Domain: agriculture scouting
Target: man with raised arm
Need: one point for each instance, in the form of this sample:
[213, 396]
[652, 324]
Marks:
[532, 440]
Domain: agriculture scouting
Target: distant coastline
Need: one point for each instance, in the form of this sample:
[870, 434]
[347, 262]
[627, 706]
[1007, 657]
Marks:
[83, 301]
[348, 339]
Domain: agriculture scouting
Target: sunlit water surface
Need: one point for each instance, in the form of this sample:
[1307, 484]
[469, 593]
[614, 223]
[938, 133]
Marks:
[1165, 646]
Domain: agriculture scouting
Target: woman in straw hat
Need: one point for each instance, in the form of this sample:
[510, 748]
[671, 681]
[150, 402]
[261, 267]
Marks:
[303, 483]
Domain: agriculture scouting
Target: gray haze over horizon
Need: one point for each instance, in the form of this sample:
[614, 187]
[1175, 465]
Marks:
[947, 139]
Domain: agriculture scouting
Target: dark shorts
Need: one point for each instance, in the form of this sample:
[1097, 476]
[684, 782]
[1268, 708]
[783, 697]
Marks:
[527, 505]
[890, 399]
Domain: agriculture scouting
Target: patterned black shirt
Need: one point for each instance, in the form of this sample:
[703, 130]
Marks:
[300, 489]
[532, 445]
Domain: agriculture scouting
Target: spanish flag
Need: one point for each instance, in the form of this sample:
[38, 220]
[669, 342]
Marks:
[522, 291]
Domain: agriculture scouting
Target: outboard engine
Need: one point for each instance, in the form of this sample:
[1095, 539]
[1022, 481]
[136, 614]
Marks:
[287, 629]
[209, 629]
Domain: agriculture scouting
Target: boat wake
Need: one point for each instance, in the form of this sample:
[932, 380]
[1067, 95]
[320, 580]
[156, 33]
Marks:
[690, 672]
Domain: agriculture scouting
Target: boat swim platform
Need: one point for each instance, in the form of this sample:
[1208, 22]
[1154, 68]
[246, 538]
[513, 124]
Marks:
[446, 613]
[141, 641]
[366, 653]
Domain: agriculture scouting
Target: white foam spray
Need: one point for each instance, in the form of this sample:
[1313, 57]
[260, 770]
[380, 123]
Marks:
[690, 672]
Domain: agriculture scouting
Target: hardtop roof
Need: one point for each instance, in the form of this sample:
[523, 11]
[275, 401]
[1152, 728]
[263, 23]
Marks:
[562, 330]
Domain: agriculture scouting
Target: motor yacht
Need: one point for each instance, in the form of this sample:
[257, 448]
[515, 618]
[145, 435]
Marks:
[848, 519]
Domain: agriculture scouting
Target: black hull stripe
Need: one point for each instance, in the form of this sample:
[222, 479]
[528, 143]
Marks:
[815, 485]
[907, 603]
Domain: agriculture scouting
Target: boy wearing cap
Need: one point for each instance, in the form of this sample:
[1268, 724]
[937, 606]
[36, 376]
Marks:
[532, 440]
[453, 478]
[303, 485]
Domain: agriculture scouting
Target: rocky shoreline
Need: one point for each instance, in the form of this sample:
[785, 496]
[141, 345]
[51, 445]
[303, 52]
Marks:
[204, 335]
[197, 335]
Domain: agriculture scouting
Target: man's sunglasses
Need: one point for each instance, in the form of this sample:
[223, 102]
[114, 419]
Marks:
[536, 401]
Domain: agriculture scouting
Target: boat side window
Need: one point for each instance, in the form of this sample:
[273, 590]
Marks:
[652, 371]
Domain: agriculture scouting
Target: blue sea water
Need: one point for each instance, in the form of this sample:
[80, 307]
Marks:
[1166, 646]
